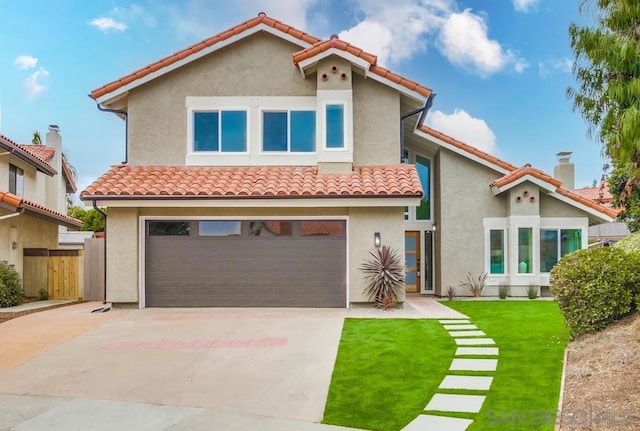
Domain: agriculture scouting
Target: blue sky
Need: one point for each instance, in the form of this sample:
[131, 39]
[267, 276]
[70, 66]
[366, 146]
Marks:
[499, 68]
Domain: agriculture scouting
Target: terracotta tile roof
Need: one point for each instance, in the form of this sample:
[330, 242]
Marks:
[233, 31]
[611, 212]
[598, 194]
[19, 204]
[42, 152]
[523, 171]
[70, 177]
[342, 45]
[33, 157]
[125, 181]
[468, 148]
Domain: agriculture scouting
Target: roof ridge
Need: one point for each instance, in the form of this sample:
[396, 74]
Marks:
[262, 18]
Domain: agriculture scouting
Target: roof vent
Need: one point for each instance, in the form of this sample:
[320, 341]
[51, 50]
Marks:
[564, 156]
[54, 127]
[334, 36]
[262, 14]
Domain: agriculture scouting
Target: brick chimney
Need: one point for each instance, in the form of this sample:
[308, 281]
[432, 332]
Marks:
[565, 170]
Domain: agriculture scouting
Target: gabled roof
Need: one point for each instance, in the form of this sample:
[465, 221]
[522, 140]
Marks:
[333, 45]
[45, 153]
[18, 204]
[598, 194]
[206, 46]
[35, 159]
[210, 182]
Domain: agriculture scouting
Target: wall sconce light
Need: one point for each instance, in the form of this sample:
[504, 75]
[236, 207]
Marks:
[377, 241]
[14, 245]
[434, 227]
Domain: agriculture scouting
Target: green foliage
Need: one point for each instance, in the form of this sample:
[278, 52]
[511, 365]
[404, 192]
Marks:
[595, 287]
[630, 244]
[450, 293]
[626, 195]
[475, 286]
[384, 275]
[93, 220]
[607, 70]
[11, 291]
[532, 291]
[503, 290]
[43, 294]
[36, 139]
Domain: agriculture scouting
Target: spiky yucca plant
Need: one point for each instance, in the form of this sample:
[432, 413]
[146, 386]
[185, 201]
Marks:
[385, 276]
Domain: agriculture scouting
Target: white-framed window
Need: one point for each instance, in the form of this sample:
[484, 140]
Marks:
[335, 125]
[220, 131]
[16, 180]
[497, 251]
[556, 243]
[525, 250]
[289, 131]
[424, 211]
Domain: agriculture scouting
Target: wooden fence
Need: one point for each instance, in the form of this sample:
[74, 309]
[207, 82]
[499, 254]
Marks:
[94, 269]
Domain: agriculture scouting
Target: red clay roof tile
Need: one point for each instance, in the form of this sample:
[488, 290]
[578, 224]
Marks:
[20, 203]
[167, 61]
[523, 171]
[258, 181]
[35, 157]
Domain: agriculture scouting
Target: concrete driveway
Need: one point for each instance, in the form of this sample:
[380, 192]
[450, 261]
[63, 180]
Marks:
[267, 362]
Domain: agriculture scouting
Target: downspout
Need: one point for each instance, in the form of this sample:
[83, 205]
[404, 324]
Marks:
[126, 129]
[423, 115]
[105, 308]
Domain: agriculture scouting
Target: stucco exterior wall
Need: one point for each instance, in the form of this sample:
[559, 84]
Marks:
[376, 123]
[363, 223]
[552, 207]
[464, 198]
[524, 200]
[259, 65]
[122, 255]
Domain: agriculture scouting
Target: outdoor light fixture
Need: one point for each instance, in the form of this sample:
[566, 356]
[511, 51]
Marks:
[434, 227]
[376, 239]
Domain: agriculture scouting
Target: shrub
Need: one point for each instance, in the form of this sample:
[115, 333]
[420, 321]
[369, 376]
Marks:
[475, 286]
[595, 287]
[503, 290]
[532, 291]
[630, 243]
[450, 293]
[11, 291]
[384, 275]
[43, 294]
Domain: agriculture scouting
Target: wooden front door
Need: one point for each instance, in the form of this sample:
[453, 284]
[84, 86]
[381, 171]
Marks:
[412, 261]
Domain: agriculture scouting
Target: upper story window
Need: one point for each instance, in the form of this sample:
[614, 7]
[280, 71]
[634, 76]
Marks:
[224, 131]
[335, 126]
[423, 166]
[290, 131]
[16, 180]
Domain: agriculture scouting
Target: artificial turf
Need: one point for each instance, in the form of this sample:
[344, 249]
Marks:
[388, 369]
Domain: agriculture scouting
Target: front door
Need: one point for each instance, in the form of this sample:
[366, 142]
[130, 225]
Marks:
[412, 261]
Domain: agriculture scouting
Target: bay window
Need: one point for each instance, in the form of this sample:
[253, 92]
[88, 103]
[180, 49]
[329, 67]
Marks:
[497, 251]
[555, 243]
[525, 250]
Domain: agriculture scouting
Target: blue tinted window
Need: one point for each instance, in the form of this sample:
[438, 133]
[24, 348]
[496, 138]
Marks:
[335, 126]
[274, 131]
[219, 228]
[205, 131]
[423, 166]
[303, 131]
[234, 131]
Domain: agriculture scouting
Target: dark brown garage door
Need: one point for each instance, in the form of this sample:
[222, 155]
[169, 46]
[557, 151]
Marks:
[245, 263]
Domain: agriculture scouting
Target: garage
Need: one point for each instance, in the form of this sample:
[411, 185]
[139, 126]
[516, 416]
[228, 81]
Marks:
[245, 263]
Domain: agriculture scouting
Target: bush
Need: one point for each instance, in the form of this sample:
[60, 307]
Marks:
[43, 294]
[503, 290]
[532, 291]
[475, 286]
[11, 291]
[630, 243]
[595, 287]
[384, 274]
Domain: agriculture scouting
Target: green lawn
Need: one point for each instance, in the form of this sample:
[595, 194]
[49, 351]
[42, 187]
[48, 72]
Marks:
[388, 369]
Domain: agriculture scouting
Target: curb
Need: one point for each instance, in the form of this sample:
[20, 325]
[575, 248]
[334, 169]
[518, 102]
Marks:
[561, 397]
[5, 316]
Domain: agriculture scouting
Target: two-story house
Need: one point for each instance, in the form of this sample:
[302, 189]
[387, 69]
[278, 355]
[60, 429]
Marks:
[264, 164]
[34, 183]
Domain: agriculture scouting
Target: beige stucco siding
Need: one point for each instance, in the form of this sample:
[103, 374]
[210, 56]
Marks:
[376, 128]
[524, 200]
[122, 255]
[259, 65]
[463, 199]
[552, 207]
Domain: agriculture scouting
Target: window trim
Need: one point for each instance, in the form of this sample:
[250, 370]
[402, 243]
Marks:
[16, 174]
[334, 97]
[412, 210]
[288, 111]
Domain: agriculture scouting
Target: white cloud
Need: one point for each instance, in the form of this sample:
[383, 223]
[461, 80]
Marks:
[465, 42]
[462, 126]
[34, 84]
[106, 24]
[524, 5]
[25, 61]
[563, 65]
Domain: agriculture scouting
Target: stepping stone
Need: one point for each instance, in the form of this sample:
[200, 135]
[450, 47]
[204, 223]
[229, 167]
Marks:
[453, 321]
[474, 341]
[490, 351]
[456, 403]
[467, 333]
[474, 383]
[455, 327]
[443, 423]
[474, 365]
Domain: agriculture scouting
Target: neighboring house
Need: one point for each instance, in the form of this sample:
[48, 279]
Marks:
[604, 233]
[34, 182]
[262, 163]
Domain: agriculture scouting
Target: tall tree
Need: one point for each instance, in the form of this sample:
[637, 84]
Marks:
[607, 71]
[92, 219]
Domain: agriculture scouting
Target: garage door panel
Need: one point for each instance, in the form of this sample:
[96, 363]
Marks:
[244, 271]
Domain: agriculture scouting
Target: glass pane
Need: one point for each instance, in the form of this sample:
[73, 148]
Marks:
[548, 249]
[12, 179]
[324, 228]
[168, 228]
[409, 243]
[428, 262]
[303, 131]
[410, 278]
[496, 244]
[525, 250]
[571, 240]
[423, 166]
[234, 131]
[270, 228]
[219, 228]
[274, 131]
[19, 182]
[205, 131]
[335, 126]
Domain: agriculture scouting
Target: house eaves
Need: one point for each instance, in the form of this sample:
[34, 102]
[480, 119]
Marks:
[20, 205]
[33, 159]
